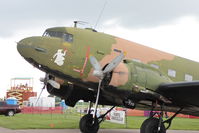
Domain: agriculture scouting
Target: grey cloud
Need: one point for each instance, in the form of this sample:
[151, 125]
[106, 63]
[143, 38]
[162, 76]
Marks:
[145, 13]
[21, 14]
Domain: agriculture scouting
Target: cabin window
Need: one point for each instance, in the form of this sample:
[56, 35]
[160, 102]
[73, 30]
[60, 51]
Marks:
[172, 73]
[65, 36]
[188, 77]
[155, 66]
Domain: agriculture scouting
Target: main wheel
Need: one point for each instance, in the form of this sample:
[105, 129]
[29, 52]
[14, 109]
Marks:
[86, 124]
[10, 113]
[150, 125]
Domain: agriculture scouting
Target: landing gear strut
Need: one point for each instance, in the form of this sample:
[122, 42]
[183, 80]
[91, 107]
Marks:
[89, 123]
[157, 125]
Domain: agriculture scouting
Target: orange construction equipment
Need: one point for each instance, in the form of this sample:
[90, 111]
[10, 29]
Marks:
[21, 89]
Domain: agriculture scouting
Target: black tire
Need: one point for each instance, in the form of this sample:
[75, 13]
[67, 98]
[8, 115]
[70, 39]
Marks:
[150, 125]
[10, 113]
[86, 124]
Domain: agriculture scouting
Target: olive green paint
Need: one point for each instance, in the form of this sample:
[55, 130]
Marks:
[182, 66]
[87, 42]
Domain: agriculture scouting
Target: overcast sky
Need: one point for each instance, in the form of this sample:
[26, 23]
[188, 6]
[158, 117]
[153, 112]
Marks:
[168, 25]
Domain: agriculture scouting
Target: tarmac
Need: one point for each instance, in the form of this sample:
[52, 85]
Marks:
[5, 130]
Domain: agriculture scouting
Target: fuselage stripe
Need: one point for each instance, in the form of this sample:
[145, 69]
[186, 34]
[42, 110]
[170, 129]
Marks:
[86, 60]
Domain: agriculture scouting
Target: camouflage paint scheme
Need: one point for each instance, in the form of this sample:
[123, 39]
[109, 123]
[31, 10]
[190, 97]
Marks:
[130, 75]
[102, 46]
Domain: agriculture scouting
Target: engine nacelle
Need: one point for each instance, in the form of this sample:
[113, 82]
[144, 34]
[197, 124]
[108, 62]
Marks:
[71, 93]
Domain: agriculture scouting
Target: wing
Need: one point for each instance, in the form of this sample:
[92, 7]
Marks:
[182, 94]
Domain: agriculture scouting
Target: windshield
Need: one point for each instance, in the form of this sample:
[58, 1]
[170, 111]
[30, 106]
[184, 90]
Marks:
[65, 36]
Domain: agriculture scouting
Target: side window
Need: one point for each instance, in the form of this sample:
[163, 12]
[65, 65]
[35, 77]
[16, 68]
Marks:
[172, 73]
[155, 66]
[188, 77]
[137, 60]
[68, 37]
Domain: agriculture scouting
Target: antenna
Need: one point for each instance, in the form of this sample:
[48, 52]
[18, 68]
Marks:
[100, 15]
[79, 22]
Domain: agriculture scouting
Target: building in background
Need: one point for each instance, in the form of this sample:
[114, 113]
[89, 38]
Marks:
[42, 102]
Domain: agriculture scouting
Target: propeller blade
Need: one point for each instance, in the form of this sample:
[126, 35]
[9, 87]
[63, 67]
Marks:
[95, 63]
[114, 63]
[97, 68]
[40, 94]
[54, 84]
[43, 80]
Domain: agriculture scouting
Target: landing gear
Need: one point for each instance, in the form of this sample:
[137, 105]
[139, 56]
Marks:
[150, 125]
[157, 125]
[90, 124]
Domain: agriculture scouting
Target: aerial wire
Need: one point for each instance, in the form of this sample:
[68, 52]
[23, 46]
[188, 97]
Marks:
[100, 15]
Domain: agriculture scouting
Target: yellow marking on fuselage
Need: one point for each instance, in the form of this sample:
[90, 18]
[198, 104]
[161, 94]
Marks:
[66, 44]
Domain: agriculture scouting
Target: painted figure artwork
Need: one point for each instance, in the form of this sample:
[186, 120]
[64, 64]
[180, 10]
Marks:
[59, 57]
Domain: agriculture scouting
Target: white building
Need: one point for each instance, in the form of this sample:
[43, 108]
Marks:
[42, 102]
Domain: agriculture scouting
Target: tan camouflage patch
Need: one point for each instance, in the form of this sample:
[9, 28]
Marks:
[140, 52]
[91, 78]
[132, 51]
[120, 75]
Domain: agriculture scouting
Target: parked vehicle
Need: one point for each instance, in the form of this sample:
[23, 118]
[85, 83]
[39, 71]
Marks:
[8, 109]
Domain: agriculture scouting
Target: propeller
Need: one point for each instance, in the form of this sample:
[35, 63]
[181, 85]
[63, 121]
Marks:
[54, 84]
[100, 74]
[45, 81]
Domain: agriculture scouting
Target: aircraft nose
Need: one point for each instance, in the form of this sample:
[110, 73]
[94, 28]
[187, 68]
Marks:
[43, 50]
[27, 46]
[23, 46]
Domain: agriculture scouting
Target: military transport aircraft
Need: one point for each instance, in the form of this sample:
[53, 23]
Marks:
[83, 64]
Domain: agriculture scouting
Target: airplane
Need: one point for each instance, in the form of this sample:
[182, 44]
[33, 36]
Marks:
[84, 64]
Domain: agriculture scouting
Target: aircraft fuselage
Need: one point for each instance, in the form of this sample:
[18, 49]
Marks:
[64, 53]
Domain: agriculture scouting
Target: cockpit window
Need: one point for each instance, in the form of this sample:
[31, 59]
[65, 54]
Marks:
[65, 36]
[68, 37]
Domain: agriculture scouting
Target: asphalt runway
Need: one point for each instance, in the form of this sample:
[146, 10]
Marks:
[4, 130]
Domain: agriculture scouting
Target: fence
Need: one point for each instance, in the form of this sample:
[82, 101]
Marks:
[43, 110]
[130, 112]
[83, 110]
